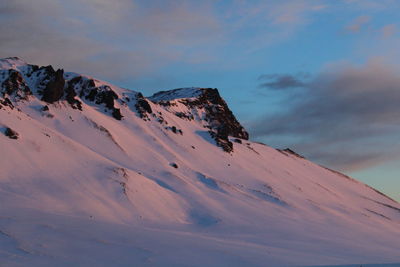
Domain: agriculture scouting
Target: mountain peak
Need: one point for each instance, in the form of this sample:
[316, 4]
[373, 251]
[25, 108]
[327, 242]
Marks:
[11, 63]
[206, 106]
[20, 81]
[188, 92]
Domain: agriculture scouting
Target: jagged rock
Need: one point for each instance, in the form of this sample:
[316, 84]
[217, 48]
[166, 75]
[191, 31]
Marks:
[117, 114]
[204, 105]
[165, 103]
[218, 114]
[142, 106]
[7, 102]
[11, 133]
[183, 115]
[55, 87]
[145, 105]
[70, 93]
[237, 141]
[218, 117]
[106, 97]
[175, 130]
[100, 95]
[32, 69]
[222, 141]
[85, 86]
[174, 165]
[16, 85]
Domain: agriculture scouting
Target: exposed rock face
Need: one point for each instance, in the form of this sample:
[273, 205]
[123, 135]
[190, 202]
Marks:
[6, 102]
[222, 141]
[52, 86]
[70, 93]
[11, 133]
[15, 85]
[201, 105]
[100, 95]
[174, 165]
[142, 106]
[217, 114]
[55, 87]
[207, 105]
[289, 151]
[104, 95]
[116, 113]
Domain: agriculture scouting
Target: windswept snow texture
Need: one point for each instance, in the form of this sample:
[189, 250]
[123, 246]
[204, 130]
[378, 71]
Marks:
[103, 176]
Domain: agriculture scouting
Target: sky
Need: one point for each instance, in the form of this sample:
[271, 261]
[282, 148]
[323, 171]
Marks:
[319, 76]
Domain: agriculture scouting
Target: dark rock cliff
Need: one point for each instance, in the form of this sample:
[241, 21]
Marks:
[54, 89]
[218, 117]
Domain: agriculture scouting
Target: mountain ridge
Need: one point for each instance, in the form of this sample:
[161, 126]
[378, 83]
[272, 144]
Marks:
[52, 86]
[82, 185]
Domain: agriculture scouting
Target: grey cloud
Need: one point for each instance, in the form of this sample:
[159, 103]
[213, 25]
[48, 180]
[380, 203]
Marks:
[142, 37]
[90, 35]
[346, 117]
[283, 81]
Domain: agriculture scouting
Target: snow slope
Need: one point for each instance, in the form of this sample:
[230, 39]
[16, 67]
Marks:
[102, 176]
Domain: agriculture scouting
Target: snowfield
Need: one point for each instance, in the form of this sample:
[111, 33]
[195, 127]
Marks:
[101, 176]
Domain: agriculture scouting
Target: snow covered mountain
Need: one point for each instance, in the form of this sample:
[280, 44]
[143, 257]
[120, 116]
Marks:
[92, 174]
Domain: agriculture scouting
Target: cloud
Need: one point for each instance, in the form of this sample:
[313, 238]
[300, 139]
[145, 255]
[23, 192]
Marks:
[356, 25]
[261, 23]
[88, 36]
[141, 37]
[371, 4]
[346, 117]
[283, 81]
[389, 30]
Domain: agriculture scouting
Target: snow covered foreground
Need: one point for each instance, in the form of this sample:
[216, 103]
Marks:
[96, 175]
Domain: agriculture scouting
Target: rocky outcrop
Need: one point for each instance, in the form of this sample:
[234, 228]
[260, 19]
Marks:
[291, 152]
[7, 102]
[142, 106]
[55, 87]
[100, 95]
[11, 133]
[52, 86]
[202, 105]
[222, 141]
[218, 116]
[104, 95]
[70, 93]
[15, 85]
[207, 105]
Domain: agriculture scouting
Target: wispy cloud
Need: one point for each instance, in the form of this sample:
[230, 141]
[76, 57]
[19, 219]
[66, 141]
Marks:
[142, 36]
[389, 30]
[88, 35]
[268, 22]
[283, 81]
[356, 25]
[347, 116]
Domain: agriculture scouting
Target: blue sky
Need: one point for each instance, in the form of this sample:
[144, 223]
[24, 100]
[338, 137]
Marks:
[321, 77]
